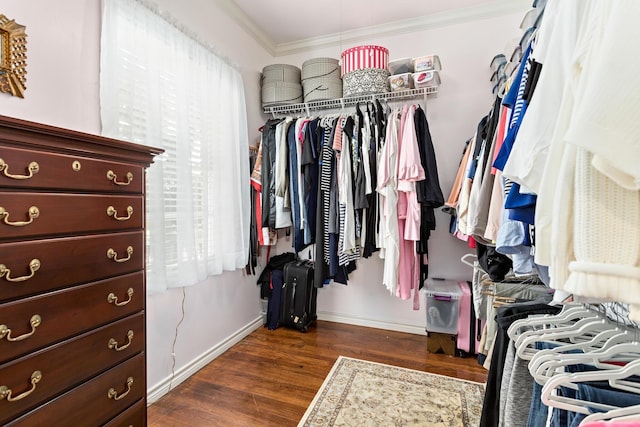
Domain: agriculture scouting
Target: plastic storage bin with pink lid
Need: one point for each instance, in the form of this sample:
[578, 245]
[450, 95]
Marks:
[443, 305]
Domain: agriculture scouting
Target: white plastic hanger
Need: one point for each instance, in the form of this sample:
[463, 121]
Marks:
[547, 366]
[549, 328]
[530, 18]
[569, 313]
[601, 341]
[583, 330]
[626, 351]
[614, 335]
[615, 377]
[630, 413]
[465, 260]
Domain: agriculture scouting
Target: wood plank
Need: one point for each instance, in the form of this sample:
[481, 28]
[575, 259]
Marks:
[270, 377]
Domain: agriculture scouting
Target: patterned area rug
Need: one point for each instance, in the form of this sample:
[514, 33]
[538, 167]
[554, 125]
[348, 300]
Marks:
[361, 393]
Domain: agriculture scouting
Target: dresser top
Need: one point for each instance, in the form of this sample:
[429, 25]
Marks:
[26, 134]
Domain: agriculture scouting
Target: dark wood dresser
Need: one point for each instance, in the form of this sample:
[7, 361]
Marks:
[72, 278]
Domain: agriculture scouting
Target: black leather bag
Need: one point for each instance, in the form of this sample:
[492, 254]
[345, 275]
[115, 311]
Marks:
[495, 264]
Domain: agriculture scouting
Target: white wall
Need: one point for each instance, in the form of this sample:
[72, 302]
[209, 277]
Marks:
[220, 309]
[464, 96]
[63, 42]
[63, 58]
[62, 90]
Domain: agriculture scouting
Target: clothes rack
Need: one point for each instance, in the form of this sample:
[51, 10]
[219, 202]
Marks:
[348, 101]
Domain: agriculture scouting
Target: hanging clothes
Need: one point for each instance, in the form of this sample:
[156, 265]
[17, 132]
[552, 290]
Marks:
[388, 189]
[353, 185]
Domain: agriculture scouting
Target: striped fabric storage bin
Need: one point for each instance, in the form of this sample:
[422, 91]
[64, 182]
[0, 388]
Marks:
[362, 57]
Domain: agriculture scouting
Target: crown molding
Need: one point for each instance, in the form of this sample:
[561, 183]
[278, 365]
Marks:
[242, 19]
[436, 20]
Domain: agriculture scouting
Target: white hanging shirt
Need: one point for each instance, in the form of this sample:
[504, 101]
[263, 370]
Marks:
[388, 188]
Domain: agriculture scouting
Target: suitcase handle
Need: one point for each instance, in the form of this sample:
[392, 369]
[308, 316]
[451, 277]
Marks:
[442, 297]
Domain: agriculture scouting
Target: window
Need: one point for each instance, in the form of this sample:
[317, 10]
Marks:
[161, 87]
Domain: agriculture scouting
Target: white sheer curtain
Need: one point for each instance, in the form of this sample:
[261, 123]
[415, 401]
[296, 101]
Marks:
[161, 87]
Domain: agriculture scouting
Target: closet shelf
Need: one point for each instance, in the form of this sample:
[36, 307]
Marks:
[348, 101]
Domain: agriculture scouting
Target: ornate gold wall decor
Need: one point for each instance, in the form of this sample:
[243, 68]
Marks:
[13, 57]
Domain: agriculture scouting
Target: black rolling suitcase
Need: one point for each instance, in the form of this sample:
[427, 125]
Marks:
[298, 303]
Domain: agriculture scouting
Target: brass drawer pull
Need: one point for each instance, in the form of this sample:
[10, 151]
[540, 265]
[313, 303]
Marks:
[33, 169]
[112, 254]
[113, 394]
[111, 176]
[6, 392]
[34, 213]
[111, 211]
[113, 299]
[5, 272]
[35, 321]
[113, 344]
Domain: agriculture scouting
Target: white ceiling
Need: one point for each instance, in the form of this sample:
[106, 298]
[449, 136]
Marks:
[288, 26]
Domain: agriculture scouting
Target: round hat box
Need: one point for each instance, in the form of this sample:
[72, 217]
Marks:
[279, 93]
[321, 88]
[365, 82]
[320, 67]
[364, 57]
[281, 73]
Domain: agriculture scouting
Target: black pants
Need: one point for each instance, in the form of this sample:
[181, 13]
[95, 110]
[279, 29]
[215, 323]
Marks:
[507, 314]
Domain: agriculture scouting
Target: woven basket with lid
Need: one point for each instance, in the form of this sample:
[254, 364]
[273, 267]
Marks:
[281, 73]
[320, 67]
[279, 93]
[322, 88]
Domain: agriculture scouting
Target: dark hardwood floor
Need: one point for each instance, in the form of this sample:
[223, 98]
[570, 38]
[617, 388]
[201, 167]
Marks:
[270, 377]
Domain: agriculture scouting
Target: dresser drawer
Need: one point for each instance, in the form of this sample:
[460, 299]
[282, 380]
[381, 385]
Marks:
[36, 266]
[27, 215]
[93, 352]
[66, 172]
[95, 402]
[136, 416]
[46, 319]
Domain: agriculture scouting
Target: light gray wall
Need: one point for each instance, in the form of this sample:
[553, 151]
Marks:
[464, 96]
[63, 42]
[63, 88]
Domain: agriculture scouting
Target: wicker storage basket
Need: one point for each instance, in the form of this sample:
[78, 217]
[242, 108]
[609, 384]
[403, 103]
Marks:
[321, 88]
[320, 67]
[278, 93]
[366, 81]
[281, 73]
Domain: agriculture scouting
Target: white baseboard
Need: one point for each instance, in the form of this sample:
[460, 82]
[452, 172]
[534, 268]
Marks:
[157, 391]
[358, 321]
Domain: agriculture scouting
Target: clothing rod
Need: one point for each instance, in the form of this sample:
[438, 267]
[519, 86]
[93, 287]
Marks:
[349, 101]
